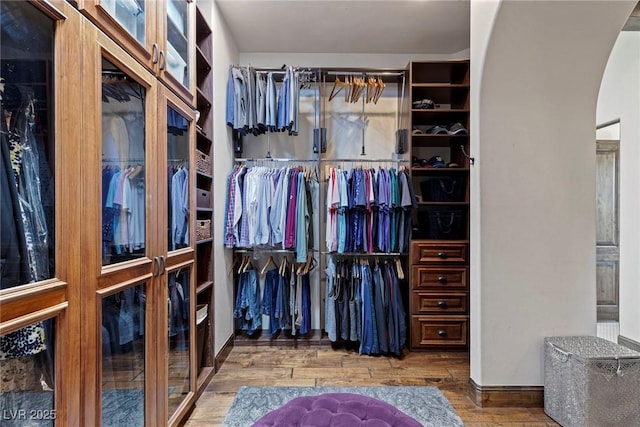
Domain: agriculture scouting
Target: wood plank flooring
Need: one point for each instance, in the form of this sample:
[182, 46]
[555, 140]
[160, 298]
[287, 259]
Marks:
[324, 366]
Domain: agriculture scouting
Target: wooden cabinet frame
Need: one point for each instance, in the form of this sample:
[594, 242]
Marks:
[58, 298]
[153, 53]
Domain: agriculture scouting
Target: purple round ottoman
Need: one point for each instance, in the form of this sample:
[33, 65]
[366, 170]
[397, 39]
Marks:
[336, 409]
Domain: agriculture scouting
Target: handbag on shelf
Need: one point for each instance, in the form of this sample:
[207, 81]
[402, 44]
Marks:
[444, 189]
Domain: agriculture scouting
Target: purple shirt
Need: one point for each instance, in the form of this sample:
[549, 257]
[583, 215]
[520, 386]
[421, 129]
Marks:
[290, 228]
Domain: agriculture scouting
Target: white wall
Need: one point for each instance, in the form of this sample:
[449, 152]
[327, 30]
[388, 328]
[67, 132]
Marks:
[225, 54]
[482, 16]
[535, 236]
[363, 60]
[619, 98]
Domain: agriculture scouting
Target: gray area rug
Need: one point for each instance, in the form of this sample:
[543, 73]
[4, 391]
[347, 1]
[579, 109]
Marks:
[425, 404]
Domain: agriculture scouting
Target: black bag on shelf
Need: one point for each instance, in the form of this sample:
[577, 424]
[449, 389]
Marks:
[445, 224]
[444, 189]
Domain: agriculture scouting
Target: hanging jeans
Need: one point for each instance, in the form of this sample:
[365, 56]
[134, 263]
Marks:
[305, 326]
[282, 312]
[247, 307]
[330, 300]
[269, 300]
[369, 341]
[381, 309]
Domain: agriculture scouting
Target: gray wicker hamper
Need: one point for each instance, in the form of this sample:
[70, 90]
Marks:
[591, 382]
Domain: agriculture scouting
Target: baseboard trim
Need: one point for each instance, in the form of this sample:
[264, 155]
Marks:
[263, 338]
[224, 352]
[629, 343]
[506, 396]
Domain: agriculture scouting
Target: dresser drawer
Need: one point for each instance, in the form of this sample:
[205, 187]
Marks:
[438, 278]
[439, 303]
[438, 252]
[439, 331]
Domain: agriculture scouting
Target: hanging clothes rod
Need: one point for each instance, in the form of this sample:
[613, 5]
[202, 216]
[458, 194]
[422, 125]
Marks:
[266, 251]
[275, 71]
[274, 159]
[365, 160]
[121, 160]
[365, 72]
[366, 254]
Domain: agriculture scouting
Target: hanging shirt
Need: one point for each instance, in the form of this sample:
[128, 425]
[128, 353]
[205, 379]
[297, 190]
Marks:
[179, 209]
[271, 107]
[302, 220]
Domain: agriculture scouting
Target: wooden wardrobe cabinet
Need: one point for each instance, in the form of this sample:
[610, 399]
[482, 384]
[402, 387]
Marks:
[135, 285]
[439, 253]
[159, 34]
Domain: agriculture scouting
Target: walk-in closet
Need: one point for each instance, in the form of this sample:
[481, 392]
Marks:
[168, 196]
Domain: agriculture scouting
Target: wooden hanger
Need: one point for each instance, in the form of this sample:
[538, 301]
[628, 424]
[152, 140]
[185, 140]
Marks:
[336, 84]
[349, 88]
[283, 266]
[359, 87]
[310, 265]
[381, 87]
[372, 87]
[399, 269]
[270, 261]
[241, 268]
[233, 264]
[249, 265]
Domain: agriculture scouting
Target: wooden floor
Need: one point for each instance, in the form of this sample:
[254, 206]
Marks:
[324, 366]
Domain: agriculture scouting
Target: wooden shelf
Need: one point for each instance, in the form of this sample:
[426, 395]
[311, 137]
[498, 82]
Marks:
[204, 65]
[200, 209]
[438, 140]
[200, 242]
[440, 110]
[443, 203]
[429, 171]
[203, 136]
[204, 174]
[441, 85]
[203, 287]
[203, 98]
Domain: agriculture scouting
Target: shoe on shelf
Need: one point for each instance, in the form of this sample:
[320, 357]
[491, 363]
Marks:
[437, 130]
[423, 104]
[435, 162]
[456, 129]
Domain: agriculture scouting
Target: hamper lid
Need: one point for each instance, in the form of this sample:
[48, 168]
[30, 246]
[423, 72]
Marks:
[589, 347]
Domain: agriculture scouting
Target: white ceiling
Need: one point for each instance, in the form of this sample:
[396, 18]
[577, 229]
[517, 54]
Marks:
[348, 26]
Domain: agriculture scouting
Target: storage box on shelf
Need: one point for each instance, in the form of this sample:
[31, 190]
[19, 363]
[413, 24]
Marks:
[439, 303]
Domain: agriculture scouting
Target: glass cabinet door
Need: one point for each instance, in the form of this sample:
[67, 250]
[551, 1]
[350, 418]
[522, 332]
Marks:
[37, 279]
[179, 332]
[176, 320]
[178, 51]
[124, 171]
[130, 14]
[123, 357]
[179, 180]
[177, 25]
[133, 23]
[121, 264]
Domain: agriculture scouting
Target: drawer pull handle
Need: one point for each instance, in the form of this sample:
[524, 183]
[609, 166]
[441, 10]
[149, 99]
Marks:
[442, 255]
[442, 333]
[442, 279]
[442, 304]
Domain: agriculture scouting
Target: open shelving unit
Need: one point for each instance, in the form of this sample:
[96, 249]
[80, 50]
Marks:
[204, 206]
[439, 301]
